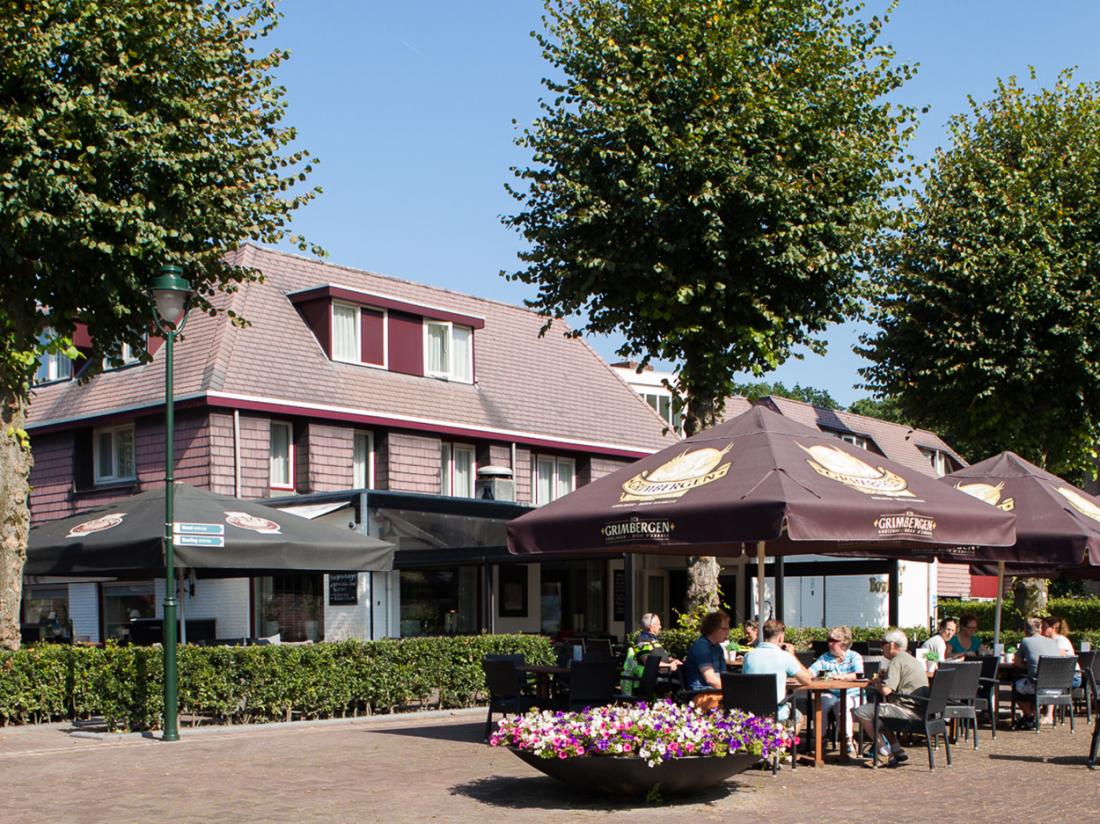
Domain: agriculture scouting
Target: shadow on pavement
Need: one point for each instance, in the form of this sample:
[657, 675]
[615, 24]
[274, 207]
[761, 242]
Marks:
[470, 733]
[543, 793]
[1078, 760]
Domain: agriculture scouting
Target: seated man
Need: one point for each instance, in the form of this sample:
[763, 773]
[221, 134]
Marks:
[775, 656]
[646, 645]
[1031, 649]
[905, 677]
[706, 660]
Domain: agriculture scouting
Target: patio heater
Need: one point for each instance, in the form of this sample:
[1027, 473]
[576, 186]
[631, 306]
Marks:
[170, 292]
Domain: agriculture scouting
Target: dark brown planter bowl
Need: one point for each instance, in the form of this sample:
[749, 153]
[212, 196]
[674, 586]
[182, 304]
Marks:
[632, 777]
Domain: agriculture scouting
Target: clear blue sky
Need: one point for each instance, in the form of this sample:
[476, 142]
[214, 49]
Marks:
[409, 106]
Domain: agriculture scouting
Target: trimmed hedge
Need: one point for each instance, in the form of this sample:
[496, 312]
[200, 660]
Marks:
[47, 682]
[1083, 615]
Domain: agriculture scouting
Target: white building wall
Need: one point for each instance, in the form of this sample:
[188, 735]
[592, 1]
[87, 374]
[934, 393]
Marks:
[349, 621]
[223, 599]
[84, 611]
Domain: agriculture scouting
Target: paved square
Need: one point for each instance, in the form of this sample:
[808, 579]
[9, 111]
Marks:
[434, 768]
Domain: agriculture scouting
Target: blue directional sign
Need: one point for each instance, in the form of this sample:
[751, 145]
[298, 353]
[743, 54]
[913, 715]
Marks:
[199, 540]
[184, 528]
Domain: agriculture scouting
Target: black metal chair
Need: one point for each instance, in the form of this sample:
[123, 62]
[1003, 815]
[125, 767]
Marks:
[962, 703]
[1094, 747]
[506, 688]
[805, 657]
[1087, 692]
[755, 694]
[931, 721]
[987, 699]
[644, 686]
[592, 684]
[1054, 685]
[598, 649]
[819, 648]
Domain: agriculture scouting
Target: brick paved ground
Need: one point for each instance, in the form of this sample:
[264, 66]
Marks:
[433, 768]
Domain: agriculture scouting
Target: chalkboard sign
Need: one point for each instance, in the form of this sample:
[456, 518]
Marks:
[343, 589]
[618, 595]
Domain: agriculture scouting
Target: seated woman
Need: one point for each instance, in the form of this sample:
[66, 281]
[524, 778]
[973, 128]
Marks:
[966, 642]
[840, 663]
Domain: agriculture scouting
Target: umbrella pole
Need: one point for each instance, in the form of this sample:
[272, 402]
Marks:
[1000, 598]
[759, 592]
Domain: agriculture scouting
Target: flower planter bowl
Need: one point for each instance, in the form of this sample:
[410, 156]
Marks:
[631, 777]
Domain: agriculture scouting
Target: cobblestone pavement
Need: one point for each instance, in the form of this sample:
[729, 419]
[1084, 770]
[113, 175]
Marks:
[434, 768]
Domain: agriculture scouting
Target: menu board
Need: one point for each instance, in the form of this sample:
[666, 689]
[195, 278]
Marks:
[618, 595]
[343, 589]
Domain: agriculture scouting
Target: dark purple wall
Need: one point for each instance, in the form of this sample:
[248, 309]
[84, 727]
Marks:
[318, 316]
[406, 343]
[372, 336]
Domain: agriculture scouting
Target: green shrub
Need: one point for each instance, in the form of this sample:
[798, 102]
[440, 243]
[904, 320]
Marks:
[124, 685]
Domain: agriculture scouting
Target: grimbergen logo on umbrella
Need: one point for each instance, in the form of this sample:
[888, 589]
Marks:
[256, 524]
[103, 522]
[637, 529]
[908, 524]
[989, 493]
[673, 479]
[838, 465]
[1080, 503]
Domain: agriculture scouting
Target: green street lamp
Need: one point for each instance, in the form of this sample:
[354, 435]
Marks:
[171, 292]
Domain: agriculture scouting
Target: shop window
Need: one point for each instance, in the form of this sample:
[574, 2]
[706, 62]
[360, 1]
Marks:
[113, 456]
[47, 608]
[291, 607]
[126, 602]
[439, 601]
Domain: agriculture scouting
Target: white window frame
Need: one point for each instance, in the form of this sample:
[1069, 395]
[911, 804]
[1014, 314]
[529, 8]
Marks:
[114, 476]
[368, 460]
[451, 374]
[52, 366]
[358, 359]
[126, 353]
[936, 457]
[357, 324]
[555, 478]
[447, 469]
[289, 483]
[854, 440]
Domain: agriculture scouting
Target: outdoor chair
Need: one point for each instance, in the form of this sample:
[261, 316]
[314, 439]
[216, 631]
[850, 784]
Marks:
[805, 658]
[862, 647]
[931, 720]
[598, 649]
[819, 648]
[644, 687]
[592, 684]
[755, 694]
[1087, 692]
[987, 699]
[1054, 685]
[961, 704]
[507, 689]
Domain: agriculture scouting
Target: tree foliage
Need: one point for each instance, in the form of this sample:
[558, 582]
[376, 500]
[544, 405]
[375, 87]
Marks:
[133, 133]
[988, 311]
[808, 394]
[706, 175]
[885, 409]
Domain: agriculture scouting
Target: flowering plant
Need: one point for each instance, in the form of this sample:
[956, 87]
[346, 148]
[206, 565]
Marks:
[657, 732]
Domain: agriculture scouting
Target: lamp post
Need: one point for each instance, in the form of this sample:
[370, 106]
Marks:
[170, 292]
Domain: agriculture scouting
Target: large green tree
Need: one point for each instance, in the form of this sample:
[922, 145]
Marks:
[706, 176]
[133, 133]
[808, 394]
[989, 310]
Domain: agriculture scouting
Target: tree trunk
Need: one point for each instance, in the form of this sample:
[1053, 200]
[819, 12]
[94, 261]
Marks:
[703, 574]
[15, 516]
[1030, 596]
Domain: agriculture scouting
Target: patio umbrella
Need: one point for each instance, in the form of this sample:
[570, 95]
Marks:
[762, 478]
[1057, 524]
[217, 535]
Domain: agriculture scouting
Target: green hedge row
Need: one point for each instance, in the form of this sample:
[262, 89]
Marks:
[1082, 614]
[124, 685]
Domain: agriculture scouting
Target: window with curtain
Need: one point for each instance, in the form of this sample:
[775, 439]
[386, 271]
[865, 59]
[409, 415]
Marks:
[282, 455]
[114, 454]
[458, 470]
[554, 477]
[52, 366]
[363, 461]
[345, 333]
[449, 351]
[462, 361]
[437, 349]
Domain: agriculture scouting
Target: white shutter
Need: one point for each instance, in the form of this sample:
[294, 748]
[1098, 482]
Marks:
[462, 361]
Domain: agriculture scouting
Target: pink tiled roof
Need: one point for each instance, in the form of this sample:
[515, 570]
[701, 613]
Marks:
[551, 387]
[895, 441]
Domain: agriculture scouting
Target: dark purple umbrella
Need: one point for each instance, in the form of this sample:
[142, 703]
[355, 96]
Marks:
[1057, 524]
[761, 477]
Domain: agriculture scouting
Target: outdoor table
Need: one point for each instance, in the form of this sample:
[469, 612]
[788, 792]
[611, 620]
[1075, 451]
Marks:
[815, 688]
[544, 674]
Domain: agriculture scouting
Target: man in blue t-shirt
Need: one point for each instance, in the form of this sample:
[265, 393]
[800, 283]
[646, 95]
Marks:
[775, 656]
[706, 659]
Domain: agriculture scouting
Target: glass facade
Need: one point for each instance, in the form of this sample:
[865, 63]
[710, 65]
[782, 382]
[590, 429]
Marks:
[122, 603]
[573, 597]
[47, 607]
[439, 601]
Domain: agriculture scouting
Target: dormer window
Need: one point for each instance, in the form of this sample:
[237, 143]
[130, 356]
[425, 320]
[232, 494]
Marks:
[358, 334]
[938, 459]
[126, 357]
[448, 351]
[52, 366]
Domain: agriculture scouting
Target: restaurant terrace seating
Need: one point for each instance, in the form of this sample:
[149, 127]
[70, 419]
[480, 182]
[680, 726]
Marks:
[756, 694]
[931, 720]
[961, 704]
[1054, 685]
[507, 689]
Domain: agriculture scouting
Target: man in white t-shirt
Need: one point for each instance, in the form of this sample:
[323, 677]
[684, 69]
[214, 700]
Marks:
[938, 642]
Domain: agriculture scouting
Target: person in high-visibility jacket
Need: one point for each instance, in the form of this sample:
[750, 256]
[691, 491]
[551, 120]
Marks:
[647, 644]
